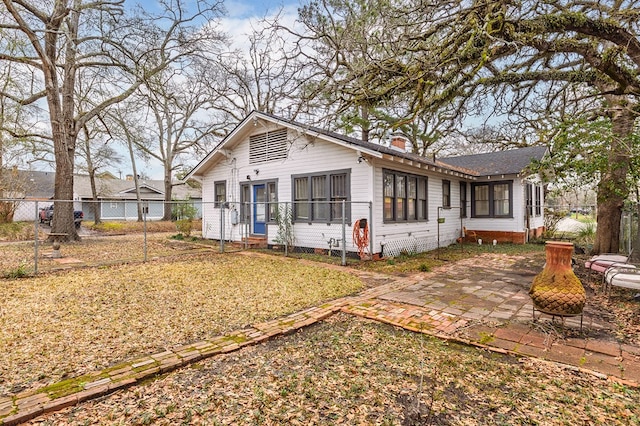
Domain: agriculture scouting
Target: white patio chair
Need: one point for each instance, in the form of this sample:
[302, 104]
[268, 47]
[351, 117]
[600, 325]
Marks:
[625, 276]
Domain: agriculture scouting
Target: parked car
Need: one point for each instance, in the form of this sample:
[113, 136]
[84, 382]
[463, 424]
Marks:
[581, 210]
[46, 216]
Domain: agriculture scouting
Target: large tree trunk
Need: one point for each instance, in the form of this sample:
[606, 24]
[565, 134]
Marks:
[612, 188]
[608, 232]
[61, 112]
[63, 221]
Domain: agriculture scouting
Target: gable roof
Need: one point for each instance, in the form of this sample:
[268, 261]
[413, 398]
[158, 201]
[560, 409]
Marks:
[108, 188]
[37, 184]
[469, 167]
[370, 148]
[507, 162]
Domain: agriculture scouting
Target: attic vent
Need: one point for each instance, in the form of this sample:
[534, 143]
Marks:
[268, 146]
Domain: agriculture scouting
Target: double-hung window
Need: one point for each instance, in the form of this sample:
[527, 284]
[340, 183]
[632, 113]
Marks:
[245, 203]
[501, 199]
[401, 197]
[339, 192]
[538, 200]
[481, 203]
[404, 196]
[272, 199]
[219, 193]
[318, 197]
[492, 199]
[446, 194]
[529, 198]
[301, 198]
[463, 199]
[412, 195]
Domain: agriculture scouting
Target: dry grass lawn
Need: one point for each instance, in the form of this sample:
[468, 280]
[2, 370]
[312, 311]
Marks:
[96, 251]
[69, 323]
[343, 370]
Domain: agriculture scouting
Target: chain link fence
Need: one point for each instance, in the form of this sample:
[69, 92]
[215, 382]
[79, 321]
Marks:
[341, 229]
[582, 225]
[121, 231]
[110, 232]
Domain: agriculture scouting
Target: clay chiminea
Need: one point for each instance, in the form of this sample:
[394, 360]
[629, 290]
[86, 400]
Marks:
[556, 290]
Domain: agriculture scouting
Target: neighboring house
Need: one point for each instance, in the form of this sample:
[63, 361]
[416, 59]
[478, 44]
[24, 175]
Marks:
[36, 194]
[417, 203]
[116, 197]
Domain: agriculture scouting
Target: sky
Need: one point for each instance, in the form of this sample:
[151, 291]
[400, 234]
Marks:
[244, 8]
[241, 17]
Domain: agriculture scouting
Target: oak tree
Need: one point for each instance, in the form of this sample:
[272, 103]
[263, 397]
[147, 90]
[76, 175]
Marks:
[116, 47]
[502, 57]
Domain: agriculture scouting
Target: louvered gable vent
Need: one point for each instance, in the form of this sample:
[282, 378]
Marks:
[268, 146]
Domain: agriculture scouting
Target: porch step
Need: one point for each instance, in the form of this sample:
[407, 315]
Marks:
[257, 242]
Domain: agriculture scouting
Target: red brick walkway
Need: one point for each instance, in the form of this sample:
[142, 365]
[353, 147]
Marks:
[485, 306]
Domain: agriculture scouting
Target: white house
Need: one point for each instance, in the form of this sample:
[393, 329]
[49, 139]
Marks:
[116, 197]
[411, 203]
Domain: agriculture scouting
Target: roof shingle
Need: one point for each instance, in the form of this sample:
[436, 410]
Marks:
[511, 161]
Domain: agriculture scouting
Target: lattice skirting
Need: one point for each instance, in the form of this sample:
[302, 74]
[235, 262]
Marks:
[411, 245]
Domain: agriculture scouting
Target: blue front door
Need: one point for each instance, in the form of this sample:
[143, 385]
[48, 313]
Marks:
[259, 209]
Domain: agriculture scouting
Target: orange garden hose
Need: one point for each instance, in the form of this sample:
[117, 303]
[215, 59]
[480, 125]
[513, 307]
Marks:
[361, 237]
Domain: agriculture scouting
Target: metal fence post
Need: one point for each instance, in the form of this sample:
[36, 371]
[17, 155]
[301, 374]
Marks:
[145, 210]
[371, 228]
[35, 247]
[344, 234]
[286, 223]
[221, 228]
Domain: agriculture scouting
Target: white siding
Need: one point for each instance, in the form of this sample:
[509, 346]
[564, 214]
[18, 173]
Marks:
[418, 235]
[306, 155]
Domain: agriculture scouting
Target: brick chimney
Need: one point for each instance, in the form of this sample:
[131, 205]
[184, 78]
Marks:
[398, 142]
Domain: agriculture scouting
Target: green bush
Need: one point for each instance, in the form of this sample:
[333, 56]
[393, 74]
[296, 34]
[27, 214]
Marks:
[424, 267]
[586, 234]
[184, 210]
[184, 226]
